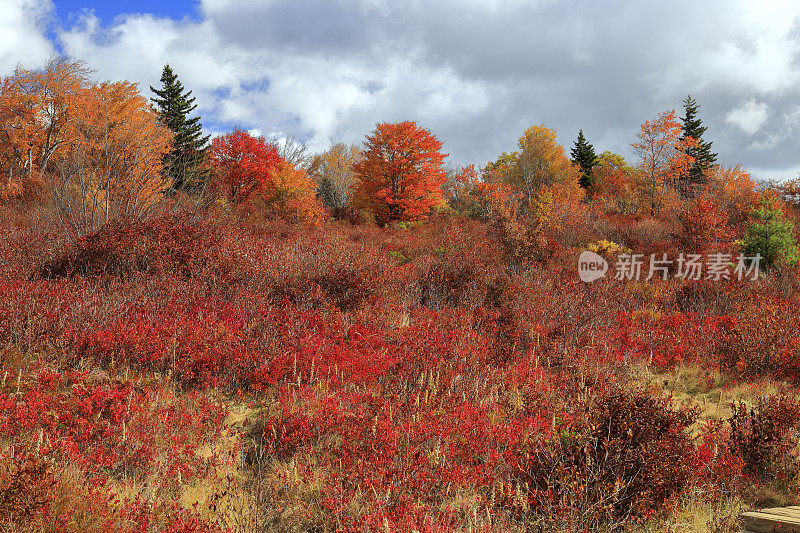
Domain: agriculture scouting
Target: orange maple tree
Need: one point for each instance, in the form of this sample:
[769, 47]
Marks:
[291, 196]
[94, 149]
[37, 109]
[401, 172]
[111, 166]
[735, 189]
[663, 155]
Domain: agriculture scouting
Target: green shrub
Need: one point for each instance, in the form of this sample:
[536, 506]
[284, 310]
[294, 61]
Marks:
[770, 235]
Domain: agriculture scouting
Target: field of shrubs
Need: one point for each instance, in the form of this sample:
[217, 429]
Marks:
[192, 373]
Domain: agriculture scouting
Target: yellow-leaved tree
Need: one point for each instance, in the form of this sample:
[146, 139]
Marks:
[336, 177]
[538, 165]
[536, 194]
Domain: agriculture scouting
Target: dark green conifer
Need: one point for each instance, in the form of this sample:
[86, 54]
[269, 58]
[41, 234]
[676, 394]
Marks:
[704, 158]
[174, 104]
[583, 155]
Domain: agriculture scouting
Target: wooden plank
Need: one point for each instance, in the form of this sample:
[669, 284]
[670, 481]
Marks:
[766, 522]
[771, 516]
[770, 527]
[792, 512]
[767, 515]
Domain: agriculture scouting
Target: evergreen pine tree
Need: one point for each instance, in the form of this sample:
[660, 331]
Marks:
[583, 155]
[181, 164]
[704, 158]
[770, 235]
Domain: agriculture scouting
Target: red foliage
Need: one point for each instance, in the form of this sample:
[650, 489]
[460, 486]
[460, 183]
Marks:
[243, 164]
[396, 371]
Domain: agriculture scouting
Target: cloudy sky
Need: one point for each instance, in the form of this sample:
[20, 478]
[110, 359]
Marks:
[475, 72]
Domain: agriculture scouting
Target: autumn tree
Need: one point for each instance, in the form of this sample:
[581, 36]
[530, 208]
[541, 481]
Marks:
[735, 189]
[36, 112]
[182, 165]
[111, 168]
[291, 196]
[538, 163]
[614, 183]
[401, 173]
[662, 155]
[336, 176]
[250, 174]
[243, 164]
[699, 151]
[536, 196]
[94, 149]
[467, 194]
[294, 151]
[790, 192]
[584, 157]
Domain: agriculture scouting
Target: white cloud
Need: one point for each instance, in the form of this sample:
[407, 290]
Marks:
[323, 97]
[136, 47]
[749, 117]
[476, 73]
[22, 38]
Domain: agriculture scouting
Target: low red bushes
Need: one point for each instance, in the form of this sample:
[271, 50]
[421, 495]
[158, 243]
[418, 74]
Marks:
[629, 457]
[171, 245]
[765, 435]
[413, 377]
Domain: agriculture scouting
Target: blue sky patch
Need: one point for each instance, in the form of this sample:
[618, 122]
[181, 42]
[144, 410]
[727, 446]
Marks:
[107, 11]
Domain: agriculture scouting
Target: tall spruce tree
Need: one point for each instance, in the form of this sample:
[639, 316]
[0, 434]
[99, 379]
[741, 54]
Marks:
[182, 163]
[704, 158]
[583, 155]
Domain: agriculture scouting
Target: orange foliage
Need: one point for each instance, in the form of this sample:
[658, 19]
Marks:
[401, 172]
[114, 161]
[703, 224]
[290, 196]
[467, 194]
[790, 191]
[663, 155]
[112, 167]
[95, 149]
[736, 191]
[37, 109]
[503, 200]
[614, 184]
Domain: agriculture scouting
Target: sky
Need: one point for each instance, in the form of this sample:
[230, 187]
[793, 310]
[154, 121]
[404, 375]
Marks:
[476, 73]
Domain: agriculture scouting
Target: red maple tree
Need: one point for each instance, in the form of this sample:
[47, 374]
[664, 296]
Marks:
[243, 164]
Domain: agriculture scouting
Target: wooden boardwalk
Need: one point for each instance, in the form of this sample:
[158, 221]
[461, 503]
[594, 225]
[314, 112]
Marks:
[777, 520]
